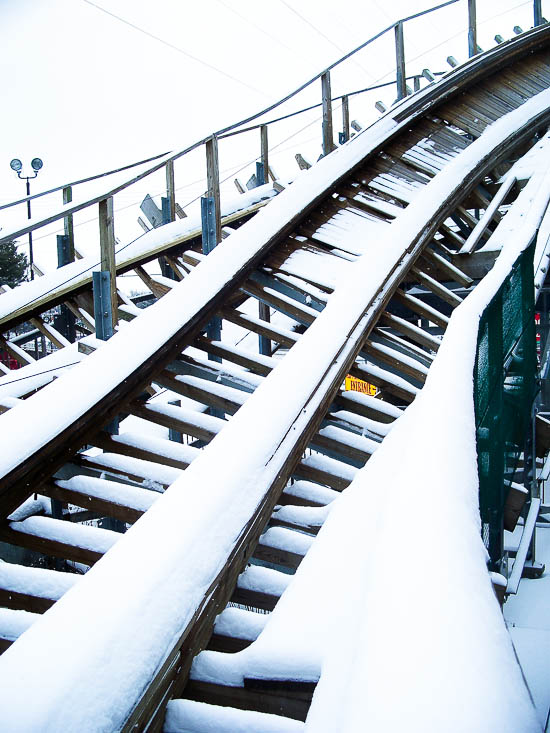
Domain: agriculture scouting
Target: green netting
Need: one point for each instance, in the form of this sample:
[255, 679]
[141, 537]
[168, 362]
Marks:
[504, 389]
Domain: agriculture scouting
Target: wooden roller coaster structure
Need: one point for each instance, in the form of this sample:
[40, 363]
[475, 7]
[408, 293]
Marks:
[371, 201]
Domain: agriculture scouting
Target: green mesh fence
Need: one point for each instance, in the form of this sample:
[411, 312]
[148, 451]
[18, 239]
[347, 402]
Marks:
[504, 390]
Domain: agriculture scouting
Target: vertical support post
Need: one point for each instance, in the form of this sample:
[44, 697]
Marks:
[66, 322]
[213, 183]
[328, 139]
[264, 148]
[102, 305]
[68, 221]
[416, 83]
[472, 28]
[175, 435]
[345, 134]
[537, 12]
[260, 174]
[264, 342]
[263, 310]
[400, 74]
[31, 255]
[165, 210]
[170, 191]
[208, 220]
[107, 251]
[166, 213]
[101, 282]
[209, 241]
[208, 216]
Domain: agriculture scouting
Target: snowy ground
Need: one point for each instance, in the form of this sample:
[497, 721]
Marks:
[528, 621]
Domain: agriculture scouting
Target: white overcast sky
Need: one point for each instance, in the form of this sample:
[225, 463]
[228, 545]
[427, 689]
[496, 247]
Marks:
[87, 91]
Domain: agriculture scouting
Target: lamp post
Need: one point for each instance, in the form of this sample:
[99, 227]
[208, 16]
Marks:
[17, 166]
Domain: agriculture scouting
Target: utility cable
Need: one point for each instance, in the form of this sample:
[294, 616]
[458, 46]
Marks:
[177, 48]
[323, 35]
[262, 30]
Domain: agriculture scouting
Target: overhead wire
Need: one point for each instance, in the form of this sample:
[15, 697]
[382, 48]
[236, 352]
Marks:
[177, 48]
[323, 35]
[262, 30]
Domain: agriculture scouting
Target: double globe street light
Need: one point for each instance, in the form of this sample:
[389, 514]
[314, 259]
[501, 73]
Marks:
[17, 166]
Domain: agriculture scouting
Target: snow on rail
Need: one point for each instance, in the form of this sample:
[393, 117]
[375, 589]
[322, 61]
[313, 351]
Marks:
[134, 603]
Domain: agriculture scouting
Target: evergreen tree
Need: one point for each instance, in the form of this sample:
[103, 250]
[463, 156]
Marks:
[13, 264]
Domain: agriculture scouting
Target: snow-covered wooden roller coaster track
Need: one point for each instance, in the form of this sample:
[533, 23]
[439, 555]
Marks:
[366, 255]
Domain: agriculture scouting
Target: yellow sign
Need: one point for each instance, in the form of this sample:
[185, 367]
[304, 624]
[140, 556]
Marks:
[357, 385]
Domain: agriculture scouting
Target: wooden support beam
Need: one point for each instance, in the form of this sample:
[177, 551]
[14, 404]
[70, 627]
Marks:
[170, 190]
[227, 644]
[537, 13]
[446, 268]
[175, 267]
[405, 345]
[422, 309]
[515, 501]
[481, 227]
[472, 28]
[303, 164]
[321, 476]
[277, 556]
[245, 359]
[48, 546]
[24, 601]
[213, 182]
[263, 342]
[392, 357]
[188, 427]
[158, 289]
[401, 75]
[107, 251]
[346, 401]
[345, 135]
[49, 332]
[328, 134]
[251, 324]
[264, 151]
[286, 305]
[81, 315]
[436, 287]
[107, 443]
[103, 507]
[385, 381]
[254, 598]
[19, 354]
[275, 697]
[204, 395]
[68, 224]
